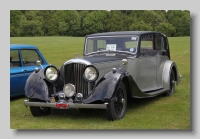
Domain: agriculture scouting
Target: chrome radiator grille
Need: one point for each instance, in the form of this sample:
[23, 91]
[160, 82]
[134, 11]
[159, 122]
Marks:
[74, 75]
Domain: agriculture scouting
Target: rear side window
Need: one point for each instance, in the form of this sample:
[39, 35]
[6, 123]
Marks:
[29, 57]
[159, 42]
[14, 59]
[146, 44]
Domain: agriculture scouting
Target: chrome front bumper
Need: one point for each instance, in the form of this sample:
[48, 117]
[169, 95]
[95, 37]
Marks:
[66, 105]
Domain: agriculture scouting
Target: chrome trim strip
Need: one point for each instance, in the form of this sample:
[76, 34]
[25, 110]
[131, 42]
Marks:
[71, 105]
[78, 61]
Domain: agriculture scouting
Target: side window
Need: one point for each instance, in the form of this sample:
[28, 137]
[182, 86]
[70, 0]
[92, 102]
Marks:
[14, 59]
[29, 57]
[147, 44]
[90, 46]
[159, 43]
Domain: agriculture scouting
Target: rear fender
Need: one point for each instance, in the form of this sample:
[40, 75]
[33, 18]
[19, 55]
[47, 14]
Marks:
[169, 65]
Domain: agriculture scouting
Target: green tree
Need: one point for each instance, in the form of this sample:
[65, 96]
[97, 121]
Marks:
[82, 22]
[180, 20]
[31, 28]
[30, 25]
[152, 18]
[53, 25]
[45, 16]
[15, 16]
[62, 27]
[165, 28]
[82, 14]
[72, 20]
[141, 26]
[115, 21]
[95, 22]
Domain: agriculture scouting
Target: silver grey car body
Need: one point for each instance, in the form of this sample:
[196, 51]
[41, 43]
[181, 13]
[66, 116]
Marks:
[114, 66]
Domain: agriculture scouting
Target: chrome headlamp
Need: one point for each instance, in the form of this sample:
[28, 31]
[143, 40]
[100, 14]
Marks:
[51, 73]
[90, 73]
[69, 90]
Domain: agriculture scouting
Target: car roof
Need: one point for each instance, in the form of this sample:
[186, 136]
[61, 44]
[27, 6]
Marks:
[122, 33]
[22, 46]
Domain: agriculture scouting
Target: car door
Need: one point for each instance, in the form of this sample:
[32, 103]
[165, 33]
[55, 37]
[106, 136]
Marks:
[20, 73]
[17, 75]
[162, 57]
[29, 58]
[146, 76]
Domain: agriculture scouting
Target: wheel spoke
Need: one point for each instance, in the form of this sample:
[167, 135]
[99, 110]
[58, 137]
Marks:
[119, 103]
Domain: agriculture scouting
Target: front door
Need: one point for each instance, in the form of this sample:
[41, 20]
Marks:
[147, 65]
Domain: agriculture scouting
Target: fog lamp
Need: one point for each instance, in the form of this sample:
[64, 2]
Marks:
[61, 96]
[79, 96]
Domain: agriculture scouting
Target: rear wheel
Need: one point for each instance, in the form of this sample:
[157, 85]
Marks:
[118, 104]
[172, 84]
[39, 111]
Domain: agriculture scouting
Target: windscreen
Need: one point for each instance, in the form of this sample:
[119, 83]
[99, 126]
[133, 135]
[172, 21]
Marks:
[111, 43]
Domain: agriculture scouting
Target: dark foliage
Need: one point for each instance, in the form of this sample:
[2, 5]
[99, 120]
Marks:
[83, 22]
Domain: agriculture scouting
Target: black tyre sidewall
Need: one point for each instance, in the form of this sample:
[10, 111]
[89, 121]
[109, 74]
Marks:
[171, 91]
[37, 111]
[111, 108]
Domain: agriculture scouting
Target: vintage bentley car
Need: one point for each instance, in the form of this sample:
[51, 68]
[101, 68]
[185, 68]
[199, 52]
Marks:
[114, 67]
[23, 60]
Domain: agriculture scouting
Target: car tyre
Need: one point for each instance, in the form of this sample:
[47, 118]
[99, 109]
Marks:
[39, 111]
[172, 84]
[118, 104]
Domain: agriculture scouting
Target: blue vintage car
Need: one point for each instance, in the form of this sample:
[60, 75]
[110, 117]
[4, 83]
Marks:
[23, 60]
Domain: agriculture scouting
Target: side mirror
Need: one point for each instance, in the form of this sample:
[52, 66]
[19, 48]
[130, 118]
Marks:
[123, 62]
[38, 63]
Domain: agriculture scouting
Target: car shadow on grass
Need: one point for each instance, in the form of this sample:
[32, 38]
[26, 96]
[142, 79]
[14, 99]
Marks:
[137, 103]
[17, 98]
[133, 103]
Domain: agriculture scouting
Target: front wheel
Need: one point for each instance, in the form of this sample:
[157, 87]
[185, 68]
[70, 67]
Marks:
[118, 104]
[39, 111]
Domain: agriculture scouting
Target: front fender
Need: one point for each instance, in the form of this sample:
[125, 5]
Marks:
[106, 87]
[36, 87]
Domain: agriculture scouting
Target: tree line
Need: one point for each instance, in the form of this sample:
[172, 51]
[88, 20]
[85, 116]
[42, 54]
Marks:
[82, 22]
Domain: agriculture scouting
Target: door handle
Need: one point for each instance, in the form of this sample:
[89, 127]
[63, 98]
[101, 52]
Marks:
[24, 70]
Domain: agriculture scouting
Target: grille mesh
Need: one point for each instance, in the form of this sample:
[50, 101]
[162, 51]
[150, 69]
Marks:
[74, 75]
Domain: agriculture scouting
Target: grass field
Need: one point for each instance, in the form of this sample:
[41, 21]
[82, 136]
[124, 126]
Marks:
[151, 113]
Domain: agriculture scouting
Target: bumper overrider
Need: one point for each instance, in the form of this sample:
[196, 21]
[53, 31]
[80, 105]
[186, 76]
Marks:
[66, 105]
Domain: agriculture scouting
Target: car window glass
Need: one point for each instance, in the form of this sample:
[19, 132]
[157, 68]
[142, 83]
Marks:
[146, 44]
[159, 42]
[14, 59]
[101, 44]
[89, 47]
[112, 43]
[131, 46]
[29, 57]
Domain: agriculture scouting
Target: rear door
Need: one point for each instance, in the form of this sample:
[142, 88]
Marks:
[17, 76]
[162, 57]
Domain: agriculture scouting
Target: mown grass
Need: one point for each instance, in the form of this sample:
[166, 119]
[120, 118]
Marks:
[150, 113]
